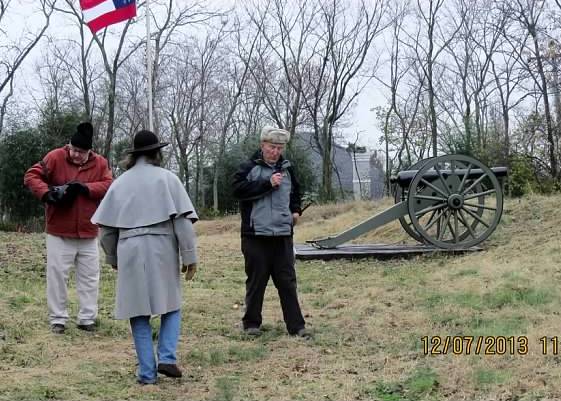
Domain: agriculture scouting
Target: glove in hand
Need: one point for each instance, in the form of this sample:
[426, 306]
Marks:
[79, 187]
[57, 195]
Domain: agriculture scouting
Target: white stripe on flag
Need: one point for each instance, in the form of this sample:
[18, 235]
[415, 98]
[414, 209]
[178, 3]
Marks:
[102, 8]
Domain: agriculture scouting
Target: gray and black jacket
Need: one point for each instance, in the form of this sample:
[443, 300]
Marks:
[266, 211]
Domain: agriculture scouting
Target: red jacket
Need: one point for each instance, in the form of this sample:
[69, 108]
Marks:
[57, 169]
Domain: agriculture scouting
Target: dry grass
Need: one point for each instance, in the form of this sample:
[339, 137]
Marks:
[368, 318]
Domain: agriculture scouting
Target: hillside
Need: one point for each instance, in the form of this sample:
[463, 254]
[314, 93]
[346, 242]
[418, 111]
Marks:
[368, 317]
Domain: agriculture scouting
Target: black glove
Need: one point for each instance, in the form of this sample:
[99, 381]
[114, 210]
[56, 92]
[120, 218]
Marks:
[79, 188]
[50, 197]
[56, 195]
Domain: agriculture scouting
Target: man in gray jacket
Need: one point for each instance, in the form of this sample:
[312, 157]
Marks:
[269, 195]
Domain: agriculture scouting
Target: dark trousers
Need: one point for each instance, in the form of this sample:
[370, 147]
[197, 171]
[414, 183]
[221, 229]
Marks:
[270, 257]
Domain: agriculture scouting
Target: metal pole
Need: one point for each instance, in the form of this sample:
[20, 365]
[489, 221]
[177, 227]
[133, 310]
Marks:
[149, 67]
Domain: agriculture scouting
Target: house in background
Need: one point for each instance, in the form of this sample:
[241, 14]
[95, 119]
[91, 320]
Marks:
[377, 175]
[357, 172]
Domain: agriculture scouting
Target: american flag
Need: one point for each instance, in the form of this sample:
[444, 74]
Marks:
[100, 13]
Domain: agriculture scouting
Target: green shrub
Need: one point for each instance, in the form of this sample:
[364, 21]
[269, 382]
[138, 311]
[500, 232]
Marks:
[521, 177]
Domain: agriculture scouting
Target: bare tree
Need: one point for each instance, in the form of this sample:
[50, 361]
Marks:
[131, 110]
[181, 105]
[247, 118]
[508, 77]
[479, 30]
[338, 59]
[286, 29]
[237, 76]
[399, 68]
[111, 70]
[12, 54]
[208, 68]
[553, 57]
[54, 83]
[190, 102]
[174, 20]
[80, 68]
[528, 13]
[111, 65]
[428, 49]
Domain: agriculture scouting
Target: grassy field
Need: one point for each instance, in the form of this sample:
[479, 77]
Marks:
[368, 318]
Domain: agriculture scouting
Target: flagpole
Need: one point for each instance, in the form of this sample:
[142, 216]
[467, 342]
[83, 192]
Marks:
[149, 67]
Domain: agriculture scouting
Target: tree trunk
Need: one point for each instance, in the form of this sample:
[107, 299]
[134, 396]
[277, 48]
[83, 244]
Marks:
[506, 123]
[327, 165]
[547, 110]
[110, 117]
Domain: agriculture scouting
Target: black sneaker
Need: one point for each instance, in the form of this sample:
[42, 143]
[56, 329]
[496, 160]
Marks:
[57, 328]
[303, 333]
[87, 327]
[169, 370]
[252, 331]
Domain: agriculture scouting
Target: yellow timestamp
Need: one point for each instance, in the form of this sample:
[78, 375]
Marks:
[479, 345]
[549, 345]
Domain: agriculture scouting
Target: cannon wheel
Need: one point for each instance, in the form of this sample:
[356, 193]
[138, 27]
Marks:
[400, 195]
[443, 210]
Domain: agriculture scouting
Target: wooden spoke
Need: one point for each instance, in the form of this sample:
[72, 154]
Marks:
[477, 195]
[473, 184]
[442, 180]
[427, 197]
[461, 187]
[456, 237]
[431, 222]
[428, 184]
[480, 206]
[468, 226]
[446, 224]
[476, 217]
[429, 209]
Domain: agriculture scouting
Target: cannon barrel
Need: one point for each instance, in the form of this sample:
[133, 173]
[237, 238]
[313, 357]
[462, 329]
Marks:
[404, 178]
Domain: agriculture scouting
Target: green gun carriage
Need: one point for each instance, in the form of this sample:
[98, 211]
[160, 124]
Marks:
[450, 202]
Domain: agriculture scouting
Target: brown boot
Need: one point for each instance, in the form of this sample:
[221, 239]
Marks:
[169, 370]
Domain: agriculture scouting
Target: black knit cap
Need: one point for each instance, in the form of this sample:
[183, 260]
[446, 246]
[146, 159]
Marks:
[83, 136]
[145, 141]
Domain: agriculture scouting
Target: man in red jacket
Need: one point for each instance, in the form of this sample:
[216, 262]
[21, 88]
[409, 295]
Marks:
[71, 181]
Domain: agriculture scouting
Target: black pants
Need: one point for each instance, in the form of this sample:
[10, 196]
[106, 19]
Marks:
[266, 257]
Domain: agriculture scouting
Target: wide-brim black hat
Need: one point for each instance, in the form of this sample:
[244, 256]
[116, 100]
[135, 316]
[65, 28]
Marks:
[145, 141]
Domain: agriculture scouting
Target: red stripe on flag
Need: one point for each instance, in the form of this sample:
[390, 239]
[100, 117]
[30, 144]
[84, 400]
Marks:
[85, 4]
[120, 14]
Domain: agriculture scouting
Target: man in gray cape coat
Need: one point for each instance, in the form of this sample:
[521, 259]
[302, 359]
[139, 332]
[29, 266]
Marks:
[146, 221]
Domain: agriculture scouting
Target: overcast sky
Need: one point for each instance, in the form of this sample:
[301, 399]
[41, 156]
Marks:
[27, 15]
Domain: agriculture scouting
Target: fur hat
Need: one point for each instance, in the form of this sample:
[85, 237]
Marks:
[83, 136]
[274, 135]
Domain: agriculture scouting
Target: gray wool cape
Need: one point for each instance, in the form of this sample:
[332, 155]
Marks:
[146, 221]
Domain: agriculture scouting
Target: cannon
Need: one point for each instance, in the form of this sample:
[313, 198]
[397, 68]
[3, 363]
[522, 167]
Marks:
[450, 202]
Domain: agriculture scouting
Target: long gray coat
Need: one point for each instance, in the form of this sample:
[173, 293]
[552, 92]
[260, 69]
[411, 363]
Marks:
[148, 252]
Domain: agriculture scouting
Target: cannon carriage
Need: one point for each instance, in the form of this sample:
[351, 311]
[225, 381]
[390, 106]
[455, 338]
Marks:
[450, 202]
